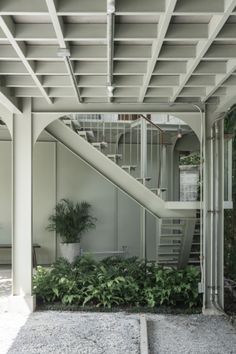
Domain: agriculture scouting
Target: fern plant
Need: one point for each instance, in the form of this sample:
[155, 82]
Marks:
[71, 220]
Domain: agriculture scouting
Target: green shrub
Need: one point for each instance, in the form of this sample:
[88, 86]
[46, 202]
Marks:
[116, 282]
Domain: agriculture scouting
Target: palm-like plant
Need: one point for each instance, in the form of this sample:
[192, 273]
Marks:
[71, 220]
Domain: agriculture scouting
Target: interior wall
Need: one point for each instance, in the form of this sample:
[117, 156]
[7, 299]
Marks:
[58, 173]
[5, 199]
[79, 182]
[44, 199]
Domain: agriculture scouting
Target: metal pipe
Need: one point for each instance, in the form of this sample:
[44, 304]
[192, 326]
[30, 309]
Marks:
[73, 78]
[216, 221]
[212, 210]
[110, 34]
[215, 209]
[110, 46]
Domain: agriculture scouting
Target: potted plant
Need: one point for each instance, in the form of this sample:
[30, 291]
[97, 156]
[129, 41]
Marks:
[70, 221]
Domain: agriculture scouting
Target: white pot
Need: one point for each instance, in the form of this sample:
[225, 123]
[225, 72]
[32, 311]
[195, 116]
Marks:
[70, 250]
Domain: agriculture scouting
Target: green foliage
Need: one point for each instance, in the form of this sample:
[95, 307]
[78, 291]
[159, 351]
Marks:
[71, 220]
[193, 160]
[116, 282]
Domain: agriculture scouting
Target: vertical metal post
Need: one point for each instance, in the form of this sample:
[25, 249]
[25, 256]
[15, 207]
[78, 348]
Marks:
[143, 175]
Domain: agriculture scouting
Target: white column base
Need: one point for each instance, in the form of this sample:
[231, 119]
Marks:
[212, 312]
[22, 304]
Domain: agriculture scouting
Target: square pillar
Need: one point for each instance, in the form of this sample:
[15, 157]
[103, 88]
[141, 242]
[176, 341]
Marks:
[22, 299]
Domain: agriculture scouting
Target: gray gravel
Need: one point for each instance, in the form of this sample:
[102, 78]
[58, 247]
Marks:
[81, 333]
[192, 334]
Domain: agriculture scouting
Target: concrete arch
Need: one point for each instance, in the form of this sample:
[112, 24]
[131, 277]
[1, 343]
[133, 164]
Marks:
[192, 119]
[42, 120]
[7, 117]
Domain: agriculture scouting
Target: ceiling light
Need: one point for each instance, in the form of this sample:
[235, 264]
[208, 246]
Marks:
[110, 90]
[110, 6]
[179, 135]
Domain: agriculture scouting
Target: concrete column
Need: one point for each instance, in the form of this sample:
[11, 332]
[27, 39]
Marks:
[213, 216]
[22, 299]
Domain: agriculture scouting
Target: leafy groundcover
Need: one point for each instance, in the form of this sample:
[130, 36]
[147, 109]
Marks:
[115, 283]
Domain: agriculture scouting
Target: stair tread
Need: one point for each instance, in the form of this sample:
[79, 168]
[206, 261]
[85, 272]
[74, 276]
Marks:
[99, 143]
[115, 155]
[169, 245]
[170, 254]
[172, 235]
[146, 178]
[129, 166]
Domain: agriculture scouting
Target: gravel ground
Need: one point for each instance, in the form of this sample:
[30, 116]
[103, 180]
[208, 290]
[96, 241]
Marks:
[73, 332]
[192, 334]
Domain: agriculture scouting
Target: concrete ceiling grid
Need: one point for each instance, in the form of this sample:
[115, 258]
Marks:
[164, 53]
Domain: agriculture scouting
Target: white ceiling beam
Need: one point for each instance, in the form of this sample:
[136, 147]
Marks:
[164, 80]
[10, 102]
[231, 81]
[141, 7]
[58, 27]
[198, 80]
[98, 52]
[221, 51]
[84, 32]
[7, 26]
[227, 101]
[135, 31]
[18, 81]
[227, 32]
[81, 52]
[183, 52]
[170, 67]
[210, 67]
[70, 105]
[220, 79]
[14, 7]
[80, 7]
[200, 6]
[186, 31]
[159, 92]
[216, 24]
[64, 81]
[193, 92]
[163, 25]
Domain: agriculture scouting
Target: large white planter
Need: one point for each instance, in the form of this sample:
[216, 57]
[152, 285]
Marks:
[70, 250]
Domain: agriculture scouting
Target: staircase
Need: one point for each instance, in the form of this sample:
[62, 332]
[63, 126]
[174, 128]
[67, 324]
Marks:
[178, 242]
[194, 256]
[90, 144]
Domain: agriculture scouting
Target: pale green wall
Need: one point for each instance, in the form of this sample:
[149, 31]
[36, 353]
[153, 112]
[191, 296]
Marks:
[5, 197]
[118, 221]
[44, 199]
